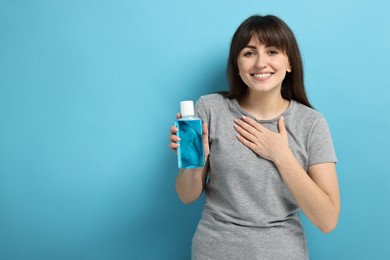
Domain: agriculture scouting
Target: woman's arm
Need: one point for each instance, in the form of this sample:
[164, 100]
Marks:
[316, 191]
[190, 183]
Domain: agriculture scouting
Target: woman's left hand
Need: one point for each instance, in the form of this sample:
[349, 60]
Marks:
[262, 141]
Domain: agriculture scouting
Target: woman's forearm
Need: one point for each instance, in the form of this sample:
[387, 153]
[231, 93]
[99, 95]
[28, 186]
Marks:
[190, 184]
[319, 201]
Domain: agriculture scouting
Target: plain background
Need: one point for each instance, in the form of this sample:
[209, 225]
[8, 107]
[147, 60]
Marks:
[89, 89]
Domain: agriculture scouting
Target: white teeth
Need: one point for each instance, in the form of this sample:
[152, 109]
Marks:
[264, 75]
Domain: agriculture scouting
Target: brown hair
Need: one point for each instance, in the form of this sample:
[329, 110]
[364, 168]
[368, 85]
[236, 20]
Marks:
[271, 31]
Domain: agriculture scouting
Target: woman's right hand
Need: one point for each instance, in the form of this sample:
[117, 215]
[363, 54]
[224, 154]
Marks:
[174, 138]
[190, 183]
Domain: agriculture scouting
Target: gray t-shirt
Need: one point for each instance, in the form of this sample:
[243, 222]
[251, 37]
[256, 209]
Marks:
[249, 211]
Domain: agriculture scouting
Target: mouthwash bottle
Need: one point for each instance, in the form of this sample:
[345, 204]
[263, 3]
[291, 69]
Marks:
[190, 153]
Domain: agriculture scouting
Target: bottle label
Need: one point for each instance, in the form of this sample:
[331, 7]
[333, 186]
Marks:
[190, 152]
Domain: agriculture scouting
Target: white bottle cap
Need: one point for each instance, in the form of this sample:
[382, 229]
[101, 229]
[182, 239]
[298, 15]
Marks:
[187, 108]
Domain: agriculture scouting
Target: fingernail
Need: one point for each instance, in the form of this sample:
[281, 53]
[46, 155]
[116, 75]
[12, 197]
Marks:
[244, 117]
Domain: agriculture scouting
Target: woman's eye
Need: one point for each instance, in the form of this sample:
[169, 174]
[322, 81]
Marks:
[273, 52]
[249, 53]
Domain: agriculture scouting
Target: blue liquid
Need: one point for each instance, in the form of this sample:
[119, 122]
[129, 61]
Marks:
[190, 153]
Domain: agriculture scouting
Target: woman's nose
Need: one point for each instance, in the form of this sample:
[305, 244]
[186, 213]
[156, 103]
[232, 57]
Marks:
[261, 61]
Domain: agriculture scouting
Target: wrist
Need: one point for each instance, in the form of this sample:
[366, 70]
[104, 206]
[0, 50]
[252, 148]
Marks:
[283, 158]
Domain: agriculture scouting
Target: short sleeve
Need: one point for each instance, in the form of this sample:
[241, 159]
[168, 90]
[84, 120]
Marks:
[200, 110]
[321, 148]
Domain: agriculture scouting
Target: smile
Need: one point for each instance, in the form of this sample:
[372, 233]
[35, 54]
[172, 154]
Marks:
[262, 75]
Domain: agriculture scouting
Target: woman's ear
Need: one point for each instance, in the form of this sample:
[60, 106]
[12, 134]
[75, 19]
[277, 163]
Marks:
[289, 68]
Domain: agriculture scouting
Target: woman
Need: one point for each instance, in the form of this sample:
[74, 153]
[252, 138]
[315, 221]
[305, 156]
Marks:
[269, 154]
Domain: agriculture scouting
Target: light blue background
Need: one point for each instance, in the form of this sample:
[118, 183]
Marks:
[89, 89]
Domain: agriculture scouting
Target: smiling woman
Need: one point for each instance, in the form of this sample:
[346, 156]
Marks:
[257, 63]
[263, 70]
[270, 154]
[277, 38]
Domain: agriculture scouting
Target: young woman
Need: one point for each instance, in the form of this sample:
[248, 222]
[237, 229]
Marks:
[269, 154]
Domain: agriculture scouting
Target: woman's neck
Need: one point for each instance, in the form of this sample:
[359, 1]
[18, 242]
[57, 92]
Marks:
[263, 106]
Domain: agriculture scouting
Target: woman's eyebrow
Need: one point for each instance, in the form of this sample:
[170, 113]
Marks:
[251, 47]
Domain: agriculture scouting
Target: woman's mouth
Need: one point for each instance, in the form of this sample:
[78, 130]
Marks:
[262, 76]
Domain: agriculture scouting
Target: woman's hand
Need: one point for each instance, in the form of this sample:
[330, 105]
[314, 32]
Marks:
[175, 139]
[190, 183]
[262, 141]
[316, 191]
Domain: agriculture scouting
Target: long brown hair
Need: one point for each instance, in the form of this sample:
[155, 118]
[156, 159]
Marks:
[271, 31]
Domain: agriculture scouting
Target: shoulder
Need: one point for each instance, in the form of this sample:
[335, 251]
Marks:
[306, 114]
[313, 125]
[212, 98]
[213, 101]
[314, 128]
[304, 120]
[213, 105]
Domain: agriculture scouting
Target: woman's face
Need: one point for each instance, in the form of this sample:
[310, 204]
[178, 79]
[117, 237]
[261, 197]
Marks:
[262, 68]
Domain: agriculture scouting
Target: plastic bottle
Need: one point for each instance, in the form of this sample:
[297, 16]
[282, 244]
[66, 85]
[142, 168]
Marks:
[190, 153]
